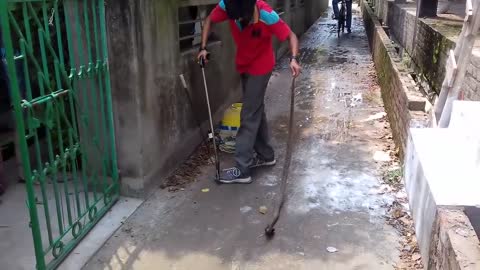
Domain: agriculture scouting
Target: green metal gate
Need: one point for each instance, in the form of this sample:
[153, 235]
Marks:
[56, 52]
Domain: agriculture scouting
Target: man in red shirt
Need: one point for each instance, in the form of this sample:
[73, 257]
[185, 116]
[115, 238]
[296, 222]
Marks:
[252, 23]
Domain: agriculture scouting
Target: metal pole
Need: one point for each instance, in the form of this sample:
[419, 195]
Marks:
[217, 163]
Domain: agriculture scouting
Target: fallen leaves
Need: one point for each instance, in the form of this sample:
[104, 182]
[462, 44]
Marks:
[416, 257]
[398, 214]
[188, 171]
[406, 221]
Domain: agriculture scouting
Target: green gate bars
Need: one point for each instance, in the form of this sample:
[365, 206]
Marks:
[57, 64]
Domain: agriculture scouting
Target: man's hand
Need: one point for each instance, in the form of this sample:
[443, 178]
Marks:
[295, 67]
[203, 54]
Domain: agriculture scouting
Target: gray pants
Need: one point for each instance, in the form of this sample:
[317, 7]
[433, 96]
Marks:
[253, 133]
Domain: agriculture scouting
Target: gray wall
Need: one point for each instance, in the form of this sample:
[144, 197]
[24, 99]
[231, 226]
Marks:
[430, 46]
[155, 128]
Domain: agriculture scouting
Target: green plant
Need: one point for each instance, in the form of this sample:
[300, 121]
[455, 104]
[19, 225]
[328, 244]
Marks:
[393, 176]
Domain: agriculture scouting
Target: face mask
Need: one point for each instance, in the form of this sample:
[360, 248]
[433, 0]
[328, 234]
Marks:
[241, 10]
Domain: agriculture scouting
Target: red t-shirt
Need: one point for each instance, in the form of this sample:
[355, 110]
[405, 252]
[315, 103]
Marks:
[255, 54]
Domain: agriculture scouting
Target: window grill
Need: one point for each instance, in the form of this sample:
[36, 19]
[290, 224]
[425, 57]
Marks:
[280, 7]
[190, 26]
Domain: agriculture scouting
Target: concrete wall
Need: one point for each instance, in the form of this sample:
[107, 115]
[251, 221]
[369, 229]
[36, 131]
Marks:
[397, 89]
[429, 48]
[380, 7]
[420, 199]
[313, 10]
[471, 85]
[439, 206]
[155, 124]
[454, 244]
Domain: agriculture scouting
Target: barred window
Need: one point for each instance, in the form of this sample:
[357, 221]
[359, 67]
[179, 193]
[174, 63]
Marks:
[190, 25]
[280, 7]
[292, 3]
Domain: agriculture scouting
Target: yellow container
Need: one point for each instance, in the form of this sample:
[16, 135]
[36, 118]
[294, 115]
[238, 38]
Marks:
[231, 118]
[229, 128]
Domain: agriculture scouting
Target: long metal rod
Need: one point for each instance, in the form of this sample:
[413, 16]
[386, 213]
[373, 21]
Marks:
[108, 95]
[197, 119]
[270, 229]
[217, 163]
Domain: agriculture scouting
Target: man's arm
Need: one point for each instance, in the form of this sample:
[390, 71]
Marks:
[203, 53]
[293, 41]
[206, 32]
[294, 64]
[217, 15]
[283, 32]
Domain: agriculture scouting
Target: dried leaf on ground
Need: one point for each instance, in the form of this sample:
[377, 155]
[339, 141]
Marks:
[263, 209]
[416, 257]
[398, 215]
[188, 171]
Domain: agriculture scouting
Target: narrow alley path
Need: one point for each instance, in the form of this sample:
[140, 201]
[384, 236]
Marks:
[333, 189]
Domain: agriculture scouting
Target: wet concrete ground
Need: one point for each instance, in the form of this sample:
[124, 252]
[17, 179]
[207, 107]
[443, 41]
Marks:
[333, 198]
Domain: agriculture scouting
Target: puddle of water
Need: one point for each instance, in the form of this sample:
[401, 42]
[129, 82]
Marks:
[326, 100]
[330, 191]
[322, 184]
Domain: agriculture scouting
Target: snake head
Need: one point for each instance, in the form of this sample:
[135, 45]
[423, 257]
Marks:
[269, 232]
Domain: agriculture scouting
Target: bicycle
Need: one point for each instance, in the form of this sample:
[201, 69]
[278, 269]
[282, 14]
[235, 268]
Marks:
[342, 18]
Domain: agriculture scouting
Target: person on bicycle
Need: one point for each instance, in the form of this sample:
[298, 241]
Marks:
[336, 12]
[252, 24]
